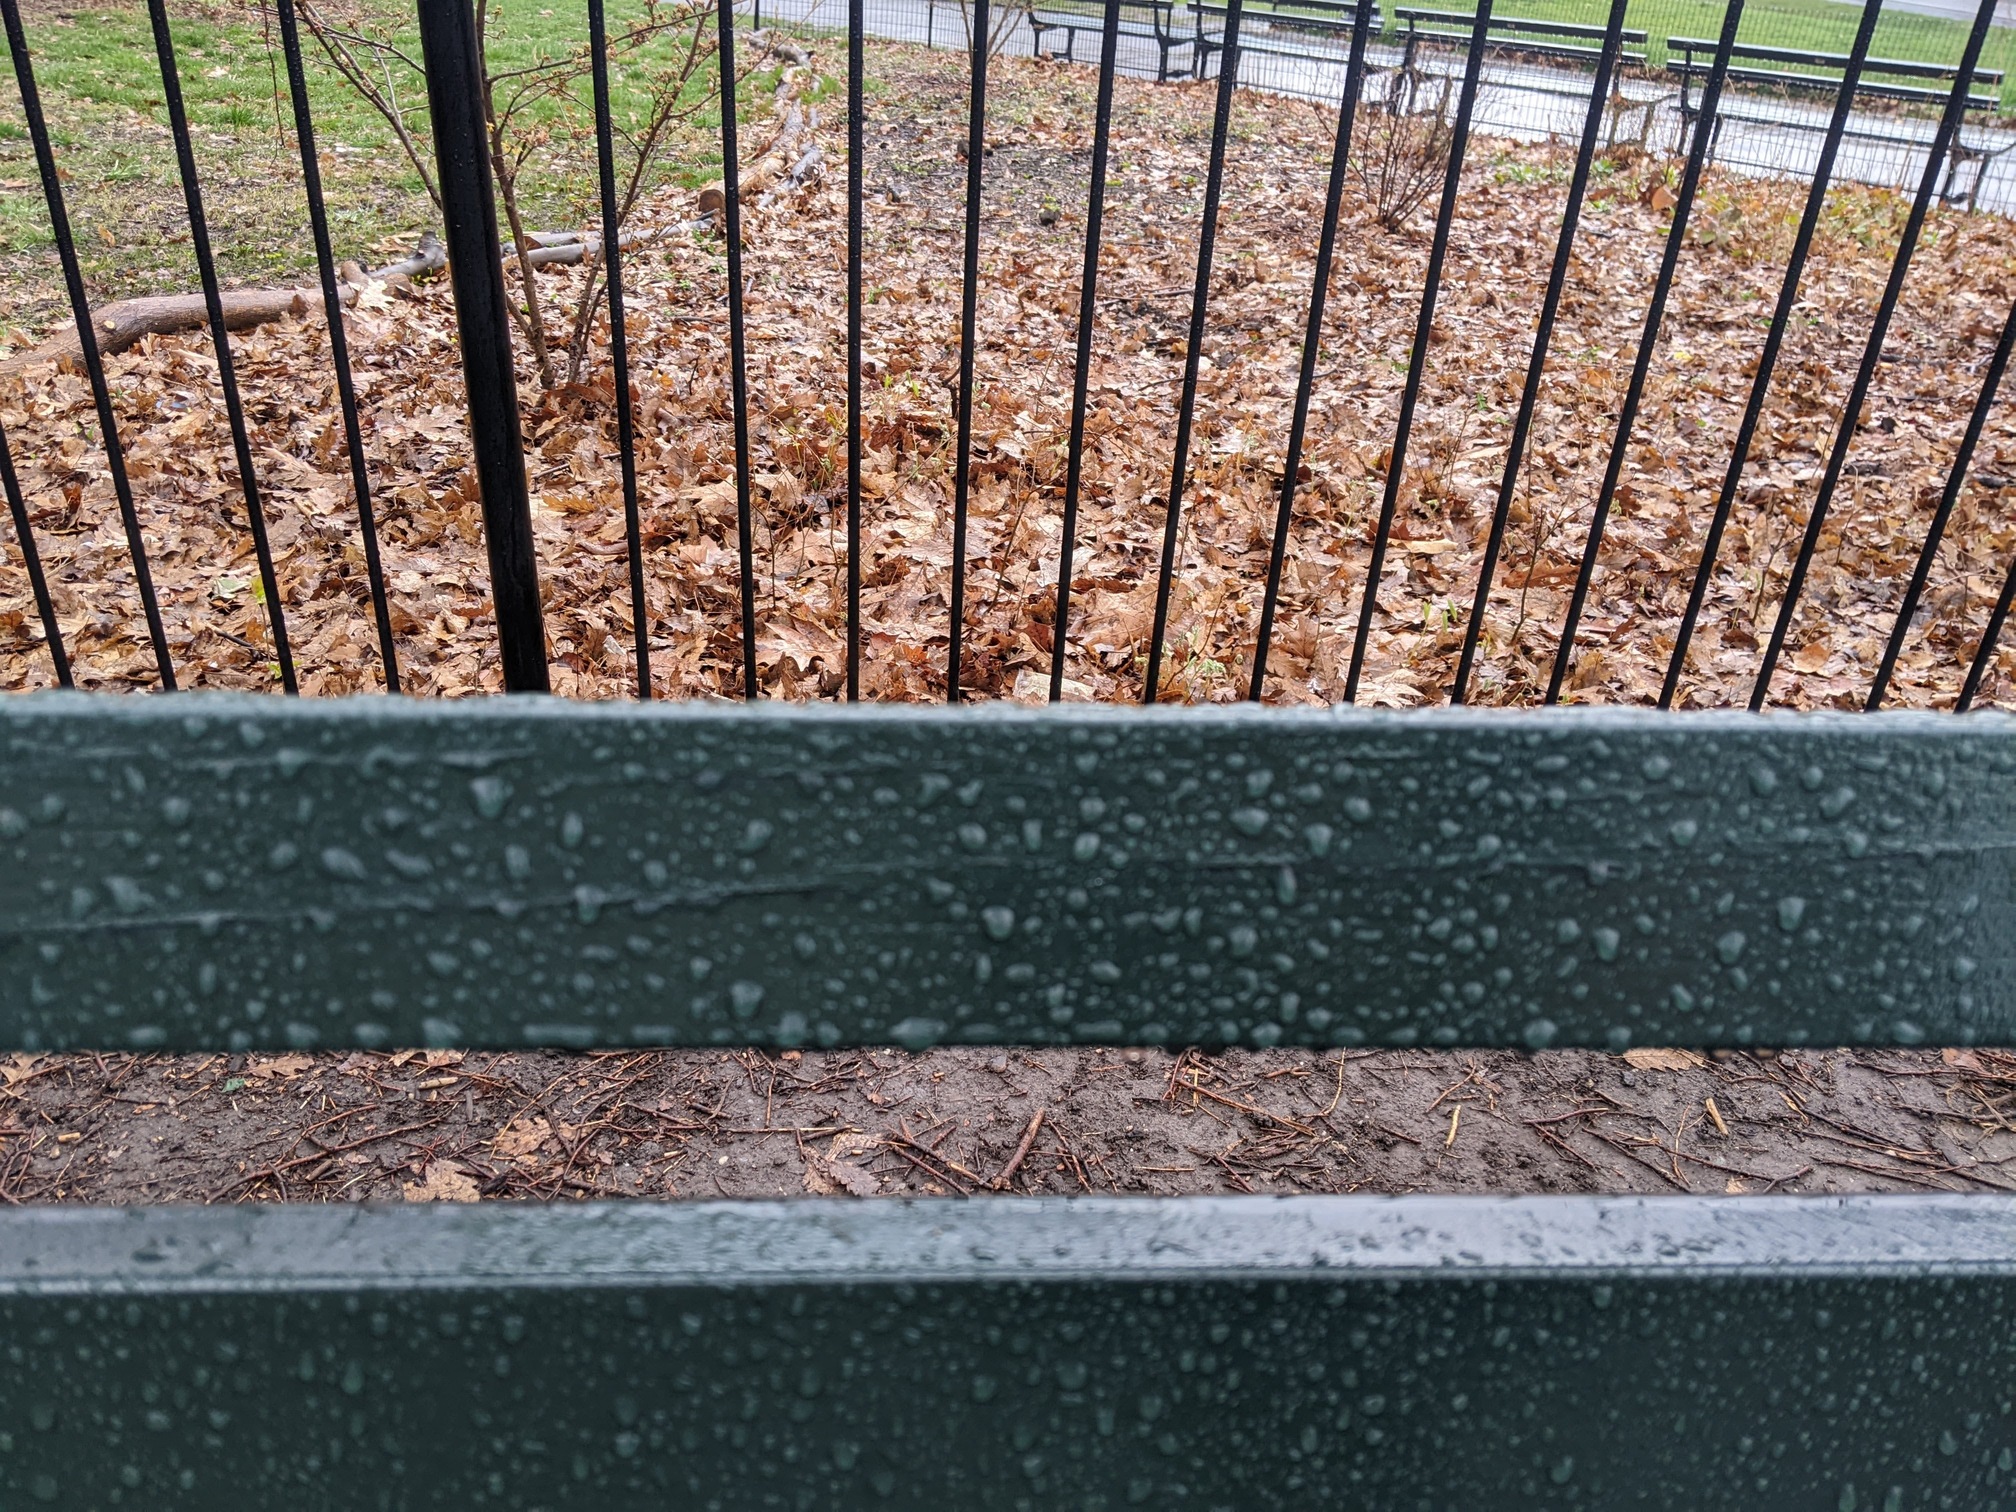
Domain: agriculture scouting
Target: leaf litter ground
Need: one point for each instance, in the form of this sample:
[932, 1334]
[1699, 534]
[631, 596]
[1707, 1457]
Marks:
[699, 1123]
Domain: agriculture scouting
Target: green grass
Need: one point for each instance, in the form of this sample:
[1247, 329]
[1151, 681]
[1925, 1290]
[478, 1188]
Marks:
[1817, 25]
[101, 90]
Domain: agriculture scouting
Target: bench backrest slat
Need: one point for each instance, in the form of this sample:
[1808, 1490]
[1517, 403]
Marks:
[221, 873]
[1344, 12]
[1692, 47]
[1498, 23]
[1302, 1354]
[1090, 10]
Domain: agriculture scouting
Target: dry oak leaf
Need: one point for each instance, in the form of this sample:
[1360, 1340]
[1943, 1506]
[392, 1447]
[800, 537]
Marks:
[844, 1166]
[281, 1067]
[828, 1178]
[520, 1139]
[1653, 1058]
[445, 1182]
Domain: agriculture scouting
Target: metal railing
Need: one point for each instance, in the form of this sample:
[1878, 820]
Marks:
[482, 296]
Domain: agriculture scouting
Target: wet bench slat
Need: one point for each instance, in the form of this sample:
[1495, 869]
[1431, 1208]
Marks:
[236, 872]
[1804, 1355]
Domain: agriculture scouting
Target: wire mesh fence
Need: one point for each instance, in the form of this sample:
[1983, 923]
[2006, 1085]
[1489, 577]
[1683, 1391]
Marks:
[1931, 31]
[1532, 86]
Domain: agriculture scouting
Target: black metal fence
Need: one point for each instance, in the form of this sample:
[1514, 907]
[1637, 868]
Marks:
[482, 298]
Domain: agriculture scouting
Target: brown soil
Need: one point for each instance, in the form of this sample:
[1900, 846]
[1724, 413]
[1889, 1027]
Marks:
[442, 1125]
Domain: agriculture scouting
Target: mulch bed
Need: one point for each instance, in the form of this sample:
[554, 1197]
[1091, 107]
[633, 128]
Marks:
[454, 1126]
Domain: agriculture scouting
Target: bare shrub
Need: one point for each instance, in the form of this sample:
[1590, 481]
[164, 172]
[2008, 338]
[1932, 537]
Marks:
[1405, 134]
[530, 108]
[1001, 22]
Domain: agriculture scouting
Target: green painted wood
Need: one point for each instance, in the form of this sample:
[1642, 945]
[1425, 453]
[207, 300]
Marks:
[1783, 1355]
[213, 872]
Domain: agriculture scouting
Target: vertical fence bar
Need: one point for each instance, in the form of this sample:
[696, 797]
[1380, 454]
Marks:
[1648, 343]
[1417, 363]
[339, 344]
[220, 337]
[469, 214]
[1088, 291]
[1543, 337]
[619, 346]
[969, 297]
[738, 338]
[1312, 339]
[1186, 409]
[1936, 533]
[856, 133]
[1767, 361]
[1984, 654]
[87, 337]
[1865, 375]
[24, 532]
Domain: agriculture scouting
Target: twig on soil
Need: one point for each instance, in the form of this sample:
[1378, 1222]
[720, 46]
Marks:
[934, 1166]
[1000, 1182]
[273, 1172]
[1069, 1157]
[1199, 1090]
[1338, 1096]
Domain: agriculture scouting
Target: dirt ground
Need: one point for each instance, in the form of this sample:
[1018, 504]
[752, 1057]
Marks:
[449, 1126]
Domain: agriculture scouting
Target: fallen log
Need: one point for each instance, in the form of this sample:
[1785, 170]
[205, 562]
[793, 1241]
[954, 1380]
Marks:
[786, 149]
[810, 164]
[773, 164]
[565, 248]
[121, 324]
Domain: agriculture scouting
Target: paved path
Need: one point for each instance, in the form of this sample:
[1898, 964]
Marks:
[1517, 100]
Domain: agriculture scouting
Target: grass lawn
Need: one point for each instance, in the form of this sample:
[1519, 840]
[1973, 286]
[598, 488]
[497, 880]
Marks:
[1821, 25]
[102, 92]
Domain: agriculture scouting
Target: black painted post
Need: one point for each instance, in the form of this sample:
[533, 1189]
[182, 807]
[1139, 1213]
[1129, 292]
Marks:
[482, 317]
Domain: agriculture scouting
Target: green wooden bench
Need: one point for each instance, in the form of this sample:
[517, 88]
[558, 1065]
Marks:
[1312, 30]
[225, 873]
[1895, 85]
[1148, 20]
[1574, 42]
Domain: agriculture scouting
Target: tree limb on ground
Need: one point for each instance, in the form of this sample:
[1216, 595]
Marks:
[792, 157]
[122, 324]
[557, 249]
